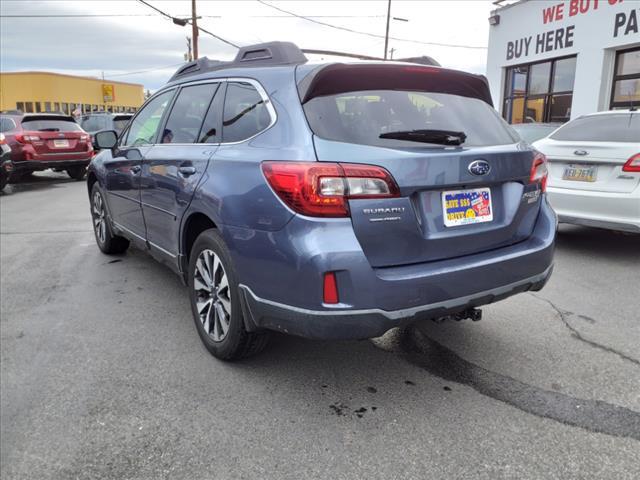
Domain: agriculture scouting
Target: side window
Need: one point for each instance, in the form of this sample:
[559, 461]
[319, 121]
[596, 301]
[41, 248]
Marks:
[145, 126]
[187, 113]
[212, 127]
[7, 124]
[245, 113]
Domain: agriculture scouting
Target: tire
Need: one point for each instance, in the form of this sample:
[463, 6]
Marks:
[77, 173]
[20, 176]
[4, 179]
[107, 241]
[209, 253]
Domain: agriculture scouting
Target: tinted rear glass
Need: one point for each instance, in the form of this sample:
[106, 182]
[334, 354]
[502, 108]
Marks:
[361, 117]
[50, 125]
[120, 122]
[93, 123]
[624, 127]
[531, 133]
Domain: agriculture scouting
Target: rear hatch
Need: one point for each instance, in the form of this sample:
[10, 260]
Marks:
[58, 137]
[461, 192]
[590, 152]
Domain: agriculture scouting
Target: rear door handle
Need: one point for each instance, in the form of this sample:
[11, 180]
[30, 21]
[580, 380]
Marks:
[136, 169]
[187, 171]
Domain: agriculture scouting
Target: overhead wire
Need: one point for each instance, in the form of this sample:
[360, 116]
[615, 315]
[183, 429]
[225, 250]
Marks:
[204, 30]
[346, 29]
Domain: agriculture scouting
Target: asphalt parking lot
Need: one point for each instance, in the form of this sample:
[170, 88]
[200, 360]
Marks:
[104, 376]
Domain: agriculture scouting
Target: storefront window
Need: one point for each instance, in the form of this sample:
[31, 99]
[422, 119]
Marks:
[38, 107]
[20, 106]
[563, 74]
[626, 80]
[539, 78]
[47, 106]
[540, 92]
[28, 107]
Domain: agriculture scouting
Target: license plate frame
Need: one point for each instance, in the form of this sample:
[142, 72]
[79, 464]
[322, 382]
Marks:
[467, 207]
[579, 172]
[61, 143]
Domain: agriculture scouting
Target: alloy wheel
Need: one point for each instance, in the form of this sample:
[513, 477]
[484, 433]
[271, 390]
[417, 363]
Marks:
[213, 295]
[99, 220]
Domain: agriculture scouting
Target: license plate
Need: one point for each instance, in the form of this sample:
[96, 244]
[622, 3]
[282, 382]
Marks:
[464, 207]
[580, 173]
[61, 143]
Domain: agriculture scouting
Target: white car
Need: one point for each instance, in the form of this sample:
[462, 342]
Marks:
[594, 170]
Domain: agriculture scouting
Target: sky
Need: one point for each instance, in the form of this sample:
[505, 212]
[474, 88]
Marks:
[128, 41]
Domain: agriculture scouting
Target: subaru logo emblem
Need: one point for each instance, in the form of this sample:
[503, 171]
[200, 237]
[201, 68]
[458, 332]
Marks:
[479, 167]
[581, 152]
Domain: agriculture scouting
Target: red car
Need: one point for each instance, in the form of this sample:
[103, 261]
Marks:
[40, 141]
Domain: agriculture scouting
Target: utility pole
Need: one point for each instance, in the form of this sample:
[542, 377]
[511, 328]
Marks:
[391, 50]
[386, 35]
[189, 56]
[194, 29]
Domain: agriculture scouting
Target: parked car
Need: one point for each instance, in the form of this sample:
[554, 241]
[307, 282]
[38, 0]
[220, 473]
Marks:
[333, 200]
[594, 170]
[95, 122]
[531, 132]
[6, 165]
[43, 140]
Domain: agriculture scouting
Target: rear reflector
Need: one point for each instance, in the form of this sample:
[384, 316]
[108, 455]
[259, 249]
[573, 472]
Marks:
[539, 171]
[330, 289]
[633, 164]
[320, 189]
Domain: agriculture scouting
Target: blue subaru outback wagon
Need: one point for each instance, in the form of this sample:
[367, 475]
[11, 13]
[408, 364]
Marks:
[333, 200]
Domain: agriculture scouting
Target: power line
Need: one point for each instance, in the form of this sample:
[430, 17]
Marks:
[145, 71]
[80, 15]
[98, 15]
[199, 27]
[309, 19]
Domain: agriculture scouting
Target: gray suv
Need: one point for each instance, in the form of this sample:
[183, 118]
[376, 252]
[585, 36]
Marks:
[327, 200]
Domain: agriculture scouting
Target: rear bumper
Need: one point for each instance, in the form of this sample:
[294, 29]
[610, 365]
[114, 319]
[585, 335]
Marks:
[374, 322]
[613, 211]
[32, 165]
[375, 300]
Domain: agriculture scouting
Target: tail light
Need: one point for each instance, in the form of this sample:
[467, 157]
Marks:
[330, 288]
[539, 171]
[633, 164]
[321, 189]
[27, 138]
[84, 138]
[2, 140]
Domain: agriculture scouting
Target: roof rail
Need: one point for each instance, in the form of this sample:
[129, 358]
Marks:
[260, 55]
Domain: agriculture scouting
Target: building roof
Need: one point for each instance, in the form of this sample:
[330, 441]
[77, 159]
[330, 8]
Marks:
[95, 79]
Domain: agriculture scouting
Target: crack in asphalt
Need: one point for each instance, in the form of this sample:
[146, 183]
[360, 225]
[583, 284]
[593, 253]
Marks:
[592, 415]
[563, 314]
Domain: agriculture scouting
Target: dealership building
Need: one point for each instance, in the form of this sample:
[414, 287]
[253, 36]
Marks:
[550, 61]
[35, 92]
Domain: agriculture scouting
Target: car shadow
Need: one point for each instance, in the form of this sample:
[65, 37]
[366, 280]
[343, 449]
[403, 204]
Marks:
[36, 181]
[606, 244]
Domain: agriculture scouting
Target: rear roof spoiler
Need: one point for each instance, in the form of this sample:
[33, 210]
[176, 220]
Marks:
[339, 78]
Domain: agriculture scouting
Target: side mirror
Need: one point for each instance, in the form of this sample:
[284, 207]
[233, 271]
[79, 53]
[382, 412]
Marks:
[105, 140]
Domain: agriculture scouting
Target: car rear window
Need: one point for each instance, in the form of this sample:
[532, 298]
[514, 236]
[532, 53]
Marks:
[362, 116]
[121, 121]
[93, 123]
[60, 124]
[624, 127]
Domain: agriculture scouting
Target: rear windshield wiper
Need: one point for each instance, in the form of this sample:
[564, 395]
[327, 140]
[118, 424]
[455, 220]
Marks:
[442, 137]
[49, 129]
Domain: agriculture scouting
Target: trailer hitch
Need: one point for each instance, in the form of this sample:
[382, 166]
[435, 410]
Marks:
[474, 314]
